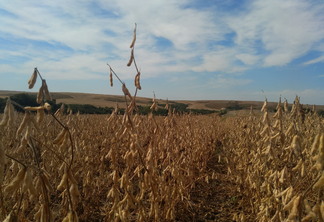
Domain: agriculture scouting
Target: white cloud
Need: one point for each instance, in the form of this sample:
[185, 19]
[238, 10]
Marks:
[73, 67]
[223, 82]
[222, 60]
[313, 61]
[284, 29]
[7, 68]
[213, 62]
[169, 19]
[278, 58]
[75, 25]
[247, 59]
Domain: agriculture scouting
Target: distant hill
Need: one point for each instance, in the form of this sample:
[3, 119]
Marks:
[101, 100]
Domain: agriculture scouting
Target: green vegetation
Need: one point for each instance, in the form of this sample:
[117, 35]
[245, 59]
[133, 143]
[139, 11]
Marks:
[180, 107]
[2, 104]
[234, 105]
[321, 113]
[89, 109]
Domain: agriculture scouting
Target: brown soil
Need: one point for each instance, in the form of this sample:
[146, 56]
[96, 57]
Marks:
[217, 200]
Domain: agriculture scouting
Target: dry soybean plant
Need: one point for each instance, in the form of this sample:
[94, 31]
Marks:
[149, 174]
[278, 164]
[30, 155]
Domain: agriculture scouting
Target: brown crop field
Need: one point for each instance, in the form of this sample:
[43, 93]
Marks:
[174, 168]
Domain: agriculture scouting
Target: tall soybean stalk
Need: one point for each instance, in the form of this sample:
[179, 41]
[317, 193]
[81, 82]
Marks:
[32, 179]
[132, 106]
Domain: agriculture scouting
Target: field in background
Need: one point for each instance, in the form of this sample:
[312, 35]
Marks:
[101, 100]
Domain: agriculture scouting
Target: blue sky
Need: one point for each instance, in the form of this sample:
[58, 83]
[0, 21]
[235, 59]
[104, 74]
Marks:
[185, 49]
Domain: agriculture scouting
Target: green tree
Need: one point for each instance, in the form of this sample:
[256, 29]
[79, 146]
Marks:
[25, 99]
[321, 113]
[2, 104]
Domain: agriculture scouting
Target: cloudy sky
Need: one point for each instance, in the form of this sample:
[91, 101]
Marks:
[185, 49]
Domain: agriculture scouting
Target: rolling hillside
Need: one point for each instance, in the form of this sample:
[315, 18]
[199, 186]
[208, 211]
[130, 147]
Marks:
[101, 100]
